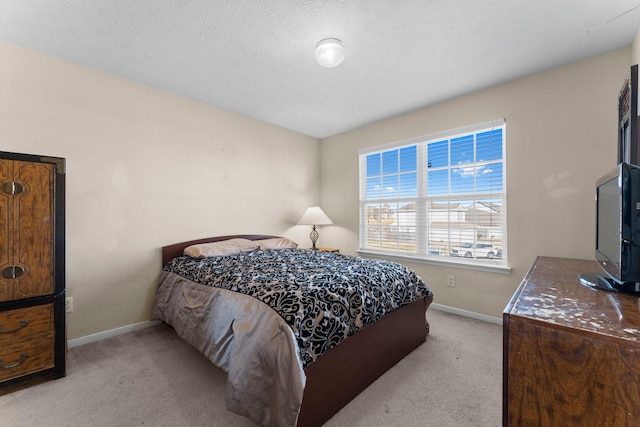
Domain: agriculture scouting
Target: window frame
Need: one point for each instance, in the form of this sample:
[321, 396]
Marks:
[422, 198]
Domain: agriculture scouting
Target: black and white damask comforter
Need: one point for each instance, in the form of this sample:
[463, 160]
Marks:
[263, 316]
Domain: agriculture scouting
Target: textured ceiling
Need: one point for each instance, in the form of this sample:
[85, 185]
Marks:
[255, 57]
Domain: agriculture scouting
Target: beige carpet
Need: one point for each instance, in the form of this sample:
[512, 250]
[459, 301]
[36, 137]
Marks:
[151, 377]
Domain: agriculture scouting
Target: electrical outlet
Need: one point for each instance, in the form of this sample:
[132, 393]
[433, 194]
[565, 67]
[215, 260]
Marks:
[68, 305]
[451, 281]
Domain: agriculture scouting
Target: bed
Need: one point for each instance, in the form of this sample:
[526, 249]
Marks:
[270, 363]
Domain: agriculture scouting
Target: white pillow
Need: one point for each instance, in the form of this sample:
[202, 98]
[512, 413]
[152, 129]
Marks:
[277, 243]
[225, 247]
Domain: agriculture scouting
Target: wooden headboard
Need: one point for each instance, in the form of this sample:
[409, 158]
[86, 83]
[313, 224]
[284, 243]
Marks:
[172, 251]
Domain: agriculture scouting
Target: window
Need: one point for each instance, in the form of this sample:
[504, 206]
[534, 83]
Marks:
[439, 197]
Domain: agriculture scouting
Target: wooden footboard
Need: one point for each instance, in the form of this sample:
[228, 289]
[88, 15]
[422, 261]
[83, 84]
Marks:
[343, 372]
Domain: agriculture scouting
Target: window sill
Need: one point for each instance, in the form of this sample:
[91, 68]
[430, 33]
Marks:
[441, 261]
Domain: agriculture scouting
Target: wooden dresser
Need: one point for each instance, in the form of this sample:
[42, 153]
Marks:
[571, 353]
[32, 270]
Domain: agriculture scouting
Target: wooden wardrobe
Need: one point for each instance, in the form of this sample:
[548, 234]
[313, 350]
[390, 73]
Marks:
[32, 270]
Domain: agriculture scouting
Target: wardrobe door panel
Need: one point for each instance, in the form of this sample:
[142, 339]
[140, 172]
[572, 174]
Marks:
[34, 226]
[6, 172]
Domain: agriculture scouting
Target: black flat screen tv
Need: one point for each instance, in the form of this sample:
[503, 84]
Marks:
[617, 231]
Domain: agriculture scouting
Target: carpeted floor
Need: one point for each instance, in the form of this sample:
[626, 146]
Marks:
[151, 377]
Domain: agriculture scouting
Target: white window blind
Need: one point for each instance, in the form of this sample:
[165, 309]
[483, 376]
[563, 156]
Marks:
[437, 197]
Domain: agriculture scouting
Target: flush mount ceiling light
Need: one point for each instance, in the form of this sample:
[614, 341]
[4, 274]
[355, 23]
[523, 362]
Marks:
[329, 53]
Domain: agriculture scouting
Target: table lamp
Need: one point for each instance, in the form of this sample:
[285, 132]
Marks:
[314, 216]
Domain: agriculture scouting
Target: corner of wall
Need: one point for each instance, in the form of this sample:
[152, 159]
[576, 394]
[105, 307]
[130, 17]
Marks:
[635, 49]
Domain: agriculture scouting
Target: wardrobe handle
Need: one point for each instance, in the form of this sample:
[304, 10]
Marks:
[12, 187]
[23, 324]
[12, 272]
[23, 357]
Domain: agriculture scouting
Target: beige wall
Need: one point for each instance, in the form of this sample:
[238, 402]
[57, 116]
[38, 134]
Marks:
[146, 168]
[561, 136]
[635, 49]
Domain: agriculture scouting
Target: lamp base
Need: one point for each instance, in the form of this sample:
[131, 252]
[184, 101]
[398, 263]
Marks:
[314, 238]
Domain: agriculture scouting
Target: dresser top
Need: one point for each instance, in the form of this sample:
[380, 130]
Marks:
[551, 292]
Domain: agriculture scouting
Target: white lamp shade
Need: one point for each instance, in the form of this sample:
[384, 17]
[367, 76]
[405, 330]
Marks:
[314, 216]
[329, 53]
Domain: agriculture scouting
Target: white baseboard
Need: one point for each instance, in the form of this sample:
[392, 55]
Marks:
[473, 315]
[140, 325]
[111, 333]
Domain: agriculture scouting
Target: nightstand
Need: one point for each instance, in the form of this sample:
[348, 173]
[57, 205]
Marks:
[334, 250]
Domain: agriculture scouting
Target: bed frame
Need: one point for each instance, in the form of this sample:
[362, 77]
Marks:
[344, 371]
